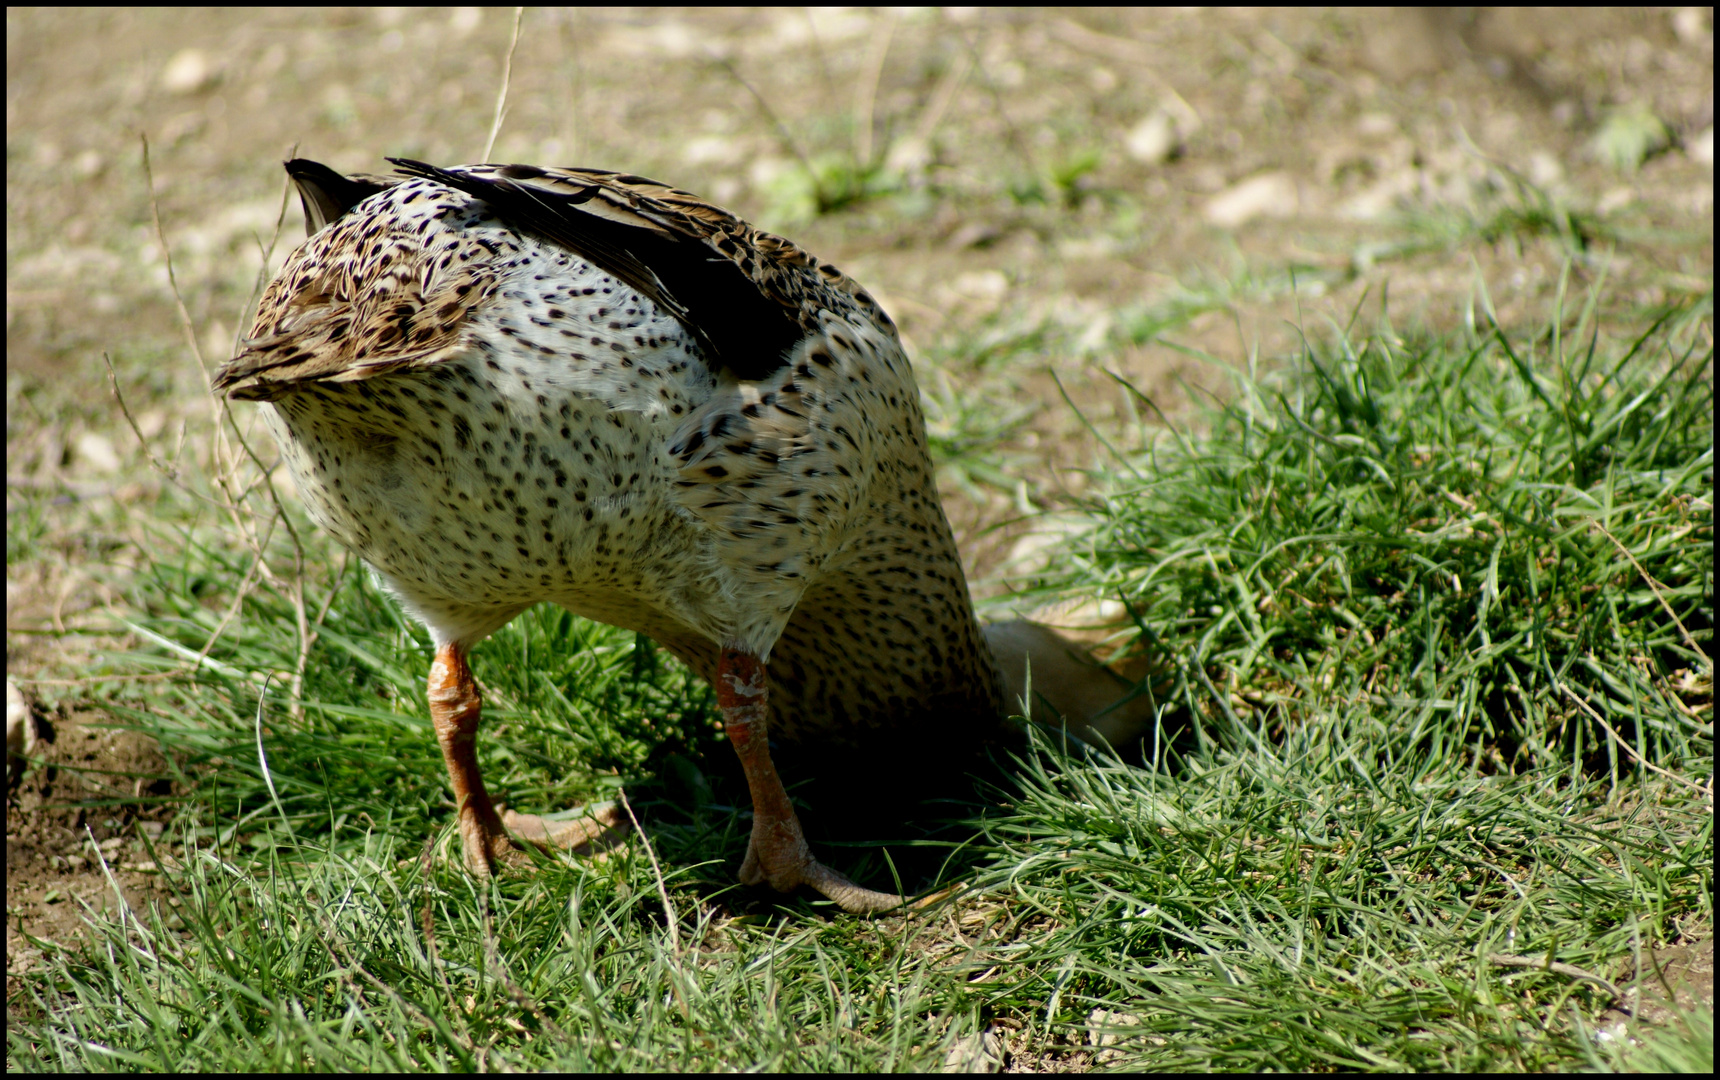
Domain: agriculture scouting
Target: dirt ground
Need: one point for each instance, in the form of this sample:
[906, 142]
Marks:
[1081, 170]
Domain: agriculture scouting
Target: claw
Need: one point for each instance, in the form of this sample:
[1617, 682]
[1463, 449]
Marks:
[800, 868]
[777, 852]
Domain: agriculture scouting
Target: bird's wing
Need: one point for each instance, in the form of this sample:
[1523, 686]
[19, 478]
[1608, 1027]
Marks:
[748, 295]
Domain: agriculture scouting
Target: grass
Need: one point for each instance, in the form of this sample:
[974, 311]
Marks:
[1437, 625]
[1254, 914]
[1506, 543]
[1434, 617]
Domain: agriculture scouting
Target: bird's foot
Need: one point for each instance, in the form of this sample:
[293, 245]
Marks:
[483, 841]
[779, 856]
[777, 852]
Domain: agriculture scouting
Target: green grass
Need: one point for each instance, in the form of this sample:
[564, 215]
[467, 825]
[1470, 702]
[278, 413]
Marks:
[1501, 546]
[1429, 613]
[1279, 912]
[1434, 619]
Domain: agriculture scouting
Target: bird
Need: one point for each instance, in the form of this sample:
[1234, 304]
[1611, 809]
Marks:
[504, 384]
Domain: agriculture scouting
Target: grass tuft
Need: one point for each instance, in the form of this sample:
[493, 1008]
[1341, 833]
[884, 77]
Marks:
[1402, 550]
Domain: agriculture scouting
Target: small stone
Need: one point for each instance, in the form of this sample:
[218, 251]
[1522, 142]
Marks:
[20, 732]
[1691, 25]
[1701, 147]
[188, 72]
[89, 164]
[972, 235]
[1544, 169]
[1102, 1025]
[96, 452]
[981, 284]
[1153, 140]
[1271, 194]
[981, 1052]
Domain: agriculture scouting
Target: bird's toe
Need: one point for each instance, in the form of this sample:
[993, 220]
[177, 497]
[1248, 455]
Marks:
[600, 828]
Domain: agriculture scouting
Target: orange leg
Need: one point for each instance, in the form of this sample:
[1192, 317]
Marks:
[455, 710]
[777, 851]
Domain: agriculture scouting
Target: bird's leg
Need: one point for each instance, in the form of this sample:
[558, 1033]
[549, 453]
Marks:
[484, 834]
[777, 851]
[455, 712]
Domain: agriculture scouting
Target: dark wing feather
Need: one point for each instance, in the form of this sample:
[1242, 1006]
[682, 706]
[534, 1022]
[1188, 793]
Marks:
[327, 195]
[747, 329]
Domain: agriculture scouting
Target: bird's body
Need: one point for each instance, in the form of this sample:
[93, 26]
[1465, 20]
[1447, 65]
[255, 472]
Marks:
[502, 385]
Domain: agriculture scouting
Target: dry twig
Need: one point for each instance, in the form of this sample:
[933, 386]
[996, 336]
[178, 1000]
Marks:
[502, 94]
[1542, 963]
[1653, 585]
[1628, 749]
